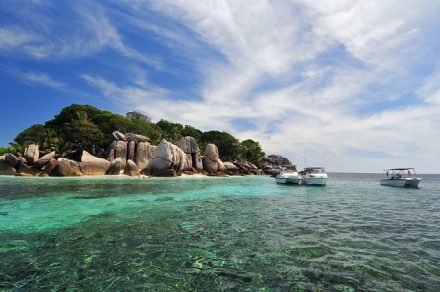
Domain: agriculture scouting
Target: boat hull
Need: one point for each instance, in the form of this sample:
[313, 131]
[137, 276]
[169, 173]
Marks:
[315, 181]
[288, 180]
[403, 182]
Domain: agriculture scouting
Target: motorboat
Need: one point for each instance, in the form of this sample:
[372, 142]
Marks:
[314, 176]
[400, 177]
[288, 176]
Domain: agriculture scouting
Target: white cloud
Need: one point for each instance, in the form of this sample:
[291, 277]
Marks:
[41, 79]
[11, 38]
[268, 43]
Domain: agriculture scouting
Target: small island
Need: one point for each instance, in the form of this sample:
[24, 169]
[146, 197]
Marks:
[85, 141]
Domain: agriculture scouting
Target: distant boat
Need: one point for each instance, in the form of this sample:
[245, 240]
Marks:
[400, 177]
[286, 176]
[314, 176]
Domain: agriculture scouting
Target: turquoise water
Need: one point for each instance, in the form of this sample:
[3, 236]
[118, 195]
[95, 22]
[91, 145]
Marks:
[210, 234]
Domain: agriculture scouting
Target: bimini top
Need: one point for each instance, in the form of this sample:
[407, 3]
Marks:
[405, 168]
[314, 167]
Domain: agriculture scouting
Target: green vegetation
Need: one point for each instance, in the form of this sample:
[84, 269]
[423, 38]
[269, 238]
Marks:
[4, 150]
[91, 128]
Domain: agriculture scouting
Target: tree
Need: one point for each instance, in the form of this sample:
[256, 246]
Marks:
[141, 124]
[172, 131]
[193, 132]
[83, 131]
[228, 145]
[251, 151]
[137, 116]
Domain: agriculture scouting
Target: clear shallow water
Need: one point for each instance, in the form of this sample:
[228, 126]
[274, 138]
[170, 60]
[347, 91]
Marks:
[218, 233]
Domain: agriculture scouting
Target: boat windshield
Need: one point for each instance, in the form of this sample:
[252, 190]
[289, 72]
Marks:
[400, 173]
[315, 170]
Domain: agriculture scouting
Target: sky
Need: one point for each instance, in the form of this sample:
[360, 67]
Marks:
[350, 85]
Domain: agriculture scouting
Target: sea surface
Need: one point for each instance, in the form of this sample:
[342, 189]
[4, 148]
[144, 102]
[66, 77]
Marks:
[210, 234]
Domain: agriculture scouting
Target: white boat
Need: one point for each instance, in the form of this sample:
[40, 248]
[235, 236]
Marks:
[286, 176]
[314, 176]
[400, 177]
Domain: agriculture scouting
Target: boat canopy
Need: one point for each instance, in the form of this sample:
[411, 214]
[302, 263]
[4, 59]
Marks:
[405, 168]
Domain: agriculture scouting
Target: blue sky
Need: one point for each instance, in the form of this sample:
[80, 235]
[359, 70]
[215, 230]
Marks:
[354, 84]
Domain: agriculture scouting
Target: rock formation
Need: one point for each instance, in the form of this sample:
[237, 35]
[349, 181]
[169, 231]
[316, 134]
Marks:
[131, 169]
[273, 163]
[167, 157]
[67, 167]
[115, 167]
[194, 161]
[11, 159]
[44, 160]
[91, 165]
[6, 168]
[31, 153]
[211, 160]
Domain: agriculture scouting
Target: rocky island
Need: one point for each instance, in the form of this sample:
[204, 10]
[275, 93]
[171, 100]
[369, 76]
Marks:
[74, 145]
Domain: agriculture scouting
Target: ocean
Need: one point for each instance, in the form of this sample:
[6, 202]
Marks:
[211, 234]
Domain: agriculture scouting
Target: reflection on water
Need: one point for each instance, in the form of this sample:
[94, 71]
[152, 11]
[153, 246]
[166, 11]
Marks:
[219, 233]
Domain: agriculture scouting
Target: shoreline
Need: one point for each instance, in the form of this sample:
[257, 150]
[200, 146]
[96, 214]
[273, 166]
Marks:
[124, 176]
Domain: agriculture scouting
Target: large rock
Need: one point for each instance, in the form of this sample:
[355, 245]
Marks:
[6, 168]
[143, 155]
[167, 156]
[189, 145]
[197, 162]
[211, 152]
[221, 166]
[131, 168]
[118, 136]
[115, 167]
[136, 138]
[67, 167]
[111, 155]
[131, 146]
[31, 153]
[230, 166]
[24, 169]
[211, 160]
[11, 159]
[120, 148]
[188, 163]
[91, 165]
[50, 166]
[44, 160]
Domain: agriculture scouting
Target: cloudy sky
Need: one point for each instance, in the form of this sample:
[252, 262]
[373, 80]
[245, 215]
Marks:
[354, 85]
